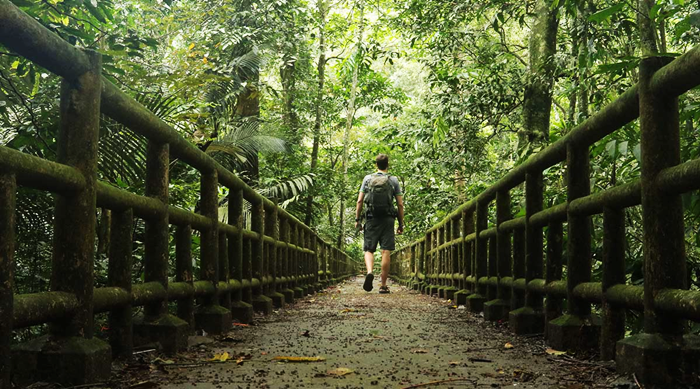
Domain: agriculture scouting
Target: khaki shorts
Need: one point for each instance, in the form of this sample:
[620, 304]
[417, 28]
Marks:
[379, 230]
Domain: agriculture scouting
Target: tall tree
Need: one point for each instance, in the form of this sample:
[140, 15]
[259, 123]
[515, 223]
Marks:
[350, 116]
[322, 7]
[537, 103]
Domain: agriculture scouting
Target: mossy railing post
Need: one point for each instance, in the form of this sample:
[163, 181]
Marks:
[664, 243]
[530, 318]
[183, 271]
[421, 266]
[427, 261]
[498, 308]
[465, 254]
[119, 275]
[224, 273]
[286, 262]
[8, 207]
[491, 270]
[240, 310]
[70, 354]
[247, 269]
[555, 241]
[434, 263]
[297, 238]
[518, 295]
[441, 256]
[576, 330]
[209, 315]
[413, 266]
[613, 317]
[273, 223]
[475, 301]
[156, 324]
[261, 303]
[454, 268]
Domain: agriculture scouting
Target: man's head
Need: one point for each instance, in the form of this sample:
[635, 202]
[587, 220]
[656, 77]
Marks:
[382, 161]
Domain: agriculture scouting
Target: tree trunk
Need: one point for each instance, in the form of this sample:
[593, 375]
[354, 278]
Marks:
[585, 9]
[647, 31]
[537, 102]
[322, 11]
[288, 75]
[348, 125]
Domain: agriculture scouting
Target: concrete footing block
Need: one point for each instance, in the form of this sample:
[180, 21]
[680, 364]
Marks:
[450, 292]
[461, 297]
[475, 303]
[277, 299]
[67, 361]
[169, 331]
[213, 319]
[262, 304]
[243, 312]
[299, 292]
[432, 290]
[526, 321]
[655, 361]
[496, 310]
[574, 333]
[288, 295]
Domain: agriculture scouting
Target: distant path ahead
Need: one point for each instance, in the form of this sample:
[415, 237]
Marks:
[388, 341]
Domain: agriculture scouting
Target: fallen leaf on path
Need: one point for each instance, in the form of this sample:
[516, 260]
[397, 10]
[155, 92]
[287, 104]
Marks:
[299, 359]
[508, 345]
[346, 310]
[523, 376]
[339, 372]
[230, 339]
[479, 360]
[552, 351]
[241, 325]
[144, 385]
[419, 351]
[455, 363]
[220, 357]
[160, 361]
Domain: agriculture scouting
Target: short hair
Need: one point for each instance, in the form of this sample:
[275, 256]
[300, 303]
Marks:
[382, 161]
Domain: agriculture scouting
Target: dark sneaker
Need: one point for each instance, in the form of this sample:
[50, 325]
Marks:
[383, 289]
[368, 282]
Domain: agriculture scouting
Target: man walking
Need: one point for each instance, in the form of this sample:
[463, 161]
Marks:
[377, 195]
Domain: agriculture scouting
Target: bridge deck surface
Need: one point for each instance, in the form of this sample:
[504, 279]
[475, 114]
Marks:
[388, 341]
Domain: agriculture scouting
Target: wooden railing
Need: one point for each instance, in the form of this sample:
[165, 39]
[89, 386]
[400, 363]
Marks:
[501, 269]
[279, 259]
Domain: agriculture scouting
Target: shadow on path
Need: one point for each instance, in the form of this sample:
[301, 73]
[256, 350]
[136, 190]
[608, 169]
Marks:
[388, 341]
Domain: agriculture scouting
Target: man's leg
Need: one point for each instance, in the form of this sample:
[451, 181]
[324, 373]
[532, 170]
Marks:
[369, 261]
[386, 263]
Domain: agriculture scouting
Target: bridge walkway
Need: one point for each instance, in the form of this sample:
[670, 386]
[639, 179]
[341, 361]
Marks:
[398, 340]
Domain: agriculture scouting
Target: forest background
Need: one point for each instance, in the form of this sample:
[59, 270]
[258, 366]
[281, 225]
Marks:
[298, 97]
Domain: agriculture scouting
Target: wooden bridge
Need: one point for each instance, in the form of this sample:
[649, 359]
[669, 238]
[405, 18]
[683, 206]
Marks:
[500, 269]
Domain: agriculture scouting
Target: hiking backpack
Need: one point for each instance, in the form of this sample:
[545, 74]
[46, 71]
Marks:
[379, 199]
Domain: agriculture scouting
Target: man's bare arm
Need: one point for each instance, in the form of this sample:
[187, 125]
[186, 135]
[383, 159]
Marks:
[399, 204]
[358, 210]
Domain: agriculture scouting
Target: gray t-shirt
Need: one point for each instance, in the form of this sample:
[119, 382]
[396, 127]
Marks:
[392, 180]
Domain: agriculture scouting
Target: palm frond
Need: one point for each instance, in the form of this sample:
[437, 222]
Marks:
[289, 189]
[242, 140]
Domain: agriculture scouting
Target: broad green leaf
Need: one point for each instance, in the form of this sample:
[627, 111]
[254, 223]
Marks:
[606, 13]
[611, 148]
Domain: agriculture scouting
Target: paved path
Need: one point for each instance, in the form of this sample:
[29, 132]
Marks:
[387, 341]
